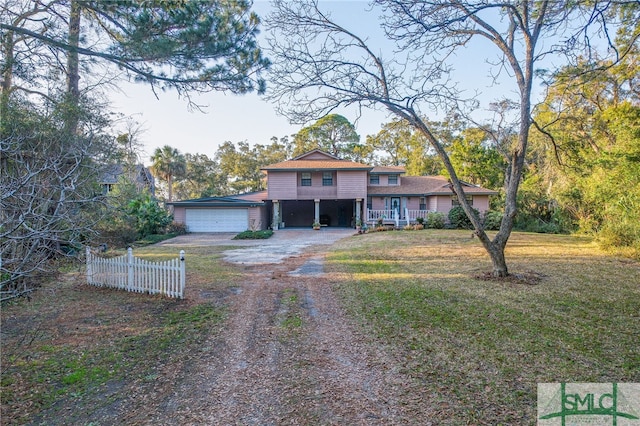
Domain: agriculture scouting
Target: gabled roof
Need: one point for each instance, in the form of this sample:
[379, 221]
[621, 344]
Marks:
[111, 173]
[425, 185]
[251, 199]
[139, 174]
[316, 154]
[316, 160]
[316, 165]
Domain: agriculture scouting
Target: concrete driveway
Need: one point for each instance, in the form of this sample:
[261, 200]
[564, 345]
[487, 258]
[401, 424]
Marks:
[284, 243]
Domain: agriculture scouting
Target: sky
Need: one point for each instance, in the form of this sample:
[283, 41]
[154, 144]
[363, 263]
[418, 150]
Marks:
[167, 120]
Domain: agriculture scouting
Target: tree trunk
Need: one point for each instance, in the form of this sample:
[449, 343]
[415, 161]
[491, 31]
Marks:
[494, 248]
[73, 66]
[7, 74]
[498, 261]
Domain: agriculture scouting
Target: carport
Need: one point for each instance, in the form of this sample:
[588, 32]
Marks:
[332, 213]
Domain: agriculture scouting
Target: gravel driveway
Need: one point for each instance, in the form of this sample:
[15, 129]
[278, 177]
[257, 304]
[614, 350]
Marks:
[288, 353]
[283, 244]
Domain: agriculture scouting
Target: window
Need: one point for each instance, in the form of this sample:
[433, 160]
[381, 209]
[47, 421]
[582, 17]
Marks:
[423, 203]
[374, 179]
[370, 203]
[455, 202]
[327, 179]
[393, 179]
[305, 179]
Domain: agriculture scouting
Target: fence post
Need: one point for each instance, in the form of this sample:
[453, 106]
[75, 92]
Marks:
[182, 273]
[89, 267]
[130, 269]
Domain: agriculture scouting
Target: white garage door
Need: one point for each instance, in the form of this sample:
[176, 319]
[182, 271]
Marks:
[217, 220]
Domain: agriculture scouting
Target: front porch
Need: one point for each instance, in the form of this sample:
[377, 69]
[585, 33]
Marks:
[396, 217]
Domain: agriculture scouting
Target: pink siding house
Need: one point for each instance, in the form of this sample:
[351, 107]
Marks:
[319, 187]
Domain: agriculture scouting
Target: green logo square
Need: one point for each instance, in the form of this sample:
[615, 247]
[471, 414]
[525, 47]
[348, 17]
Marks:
[564, 404]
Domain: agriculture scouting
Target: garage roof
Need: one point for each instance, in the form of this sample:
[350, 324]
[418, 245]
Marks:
[252, 199]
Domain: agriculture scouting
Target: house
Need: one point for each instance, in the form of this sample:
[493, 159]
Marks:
[138, 174]
[319, 187]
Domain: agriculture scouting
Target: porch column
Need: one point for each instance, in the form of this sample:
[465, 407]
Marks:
[316, 214]
[276, 215]
[358, 209]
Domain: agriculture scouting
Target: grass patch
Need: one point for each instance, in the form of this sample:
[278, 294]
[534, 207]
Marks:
[477, 348]
[155, 238]
[78, 348]
[254, 235]
[289, 316]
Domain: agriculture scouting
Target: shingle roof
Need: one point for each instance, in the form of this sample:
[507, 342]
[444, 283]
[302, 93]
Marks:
[314, 153]
[316, 165]
[111, 174]
[258, 196]
[249, 200]
[424, 185]
[387, 170]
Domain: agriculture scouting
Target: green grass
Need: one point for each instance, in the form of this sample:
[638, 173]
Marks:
[290, 317]
[77, 346]
[474, 349]
[477, 348]
[155, 238]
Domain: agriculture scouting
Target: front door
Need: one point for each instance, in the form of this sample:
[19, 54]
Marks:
[395, 204]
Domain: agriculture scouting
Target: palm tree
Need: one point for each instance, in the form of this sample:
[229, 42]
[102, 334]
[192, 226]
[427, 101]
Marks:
[168, 163]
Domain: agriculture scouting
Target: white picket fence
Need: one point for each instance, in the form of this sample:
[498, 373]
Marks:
[131, 273]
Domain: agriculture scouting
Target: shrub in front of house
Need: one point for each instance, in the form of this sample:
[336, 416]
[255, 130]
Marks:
[254, 235]
[177, 228]
[458, 218]
[492, 220]
[115, 234]
[150, 218]
[435, 220]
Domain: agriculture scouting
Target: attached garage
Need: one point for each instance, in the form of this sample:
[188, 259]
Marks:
[217, 220]
[222, 214]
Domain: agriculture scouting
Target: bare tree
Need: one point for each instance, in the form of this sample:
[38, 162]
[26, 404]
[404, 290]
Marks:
[49, 200]
[56, 56]
[319, 65]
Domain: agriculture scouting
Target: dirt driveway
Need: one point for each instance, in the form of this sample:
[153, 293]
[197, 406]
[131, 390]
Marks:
[283, 244]
[288, 353]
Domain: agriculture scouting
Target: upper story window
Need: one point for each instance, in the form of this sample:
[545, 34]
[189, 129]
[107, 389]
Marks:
[305, 179]
[327, 179]
[455, 202]
[374, 179]
[393, 179]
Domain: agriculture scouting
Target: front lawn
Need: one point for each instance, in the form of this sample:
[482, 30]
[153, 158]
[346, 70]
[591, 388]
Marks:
[84, 349]
[476, 349]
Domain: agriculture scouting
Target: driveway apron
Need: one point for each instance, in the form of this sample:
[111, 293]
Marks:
[283, 244]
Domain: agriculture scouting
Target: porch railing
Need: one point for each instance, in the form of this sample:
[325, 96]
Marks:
[411, 216]
[387, 216]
